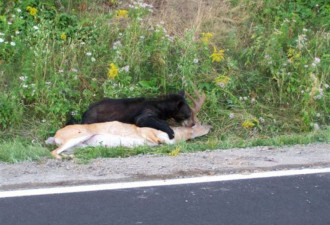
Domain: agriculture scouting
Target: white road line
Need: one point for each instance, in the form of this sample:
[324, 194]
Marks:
[155, 183]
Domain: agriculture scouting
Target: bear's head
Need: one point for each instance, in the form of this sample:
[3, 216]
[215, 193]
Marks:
[183, 112]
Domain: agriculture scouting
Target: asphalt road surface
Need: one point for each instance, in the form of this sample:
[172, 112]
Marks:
[288, 200]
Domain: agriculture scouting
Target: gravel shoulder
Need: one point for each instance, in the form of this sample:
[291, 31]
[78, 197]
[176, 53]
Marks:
[50, 172]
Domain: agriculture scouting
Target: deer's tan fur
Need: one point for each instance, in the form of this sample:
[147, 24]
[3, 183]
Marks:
[113, 134]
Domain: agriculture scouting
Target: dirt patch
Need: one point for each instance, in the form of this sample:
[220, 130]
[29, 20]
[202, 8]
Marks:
[50, 172]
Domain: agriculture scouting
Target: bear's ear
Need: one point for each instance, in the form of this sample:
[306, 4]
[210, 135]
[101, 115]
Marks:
[179, 104]
[181, 92]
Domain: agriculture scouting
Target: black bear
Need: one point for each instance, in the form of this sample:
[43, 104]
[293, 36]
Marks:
[142, 112]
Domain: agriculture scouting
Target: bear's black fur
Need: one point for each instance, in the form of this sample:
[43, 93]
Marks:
[142, 112]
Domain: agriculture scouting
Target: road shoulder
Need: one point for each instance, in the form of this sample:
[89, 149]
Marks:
[50, 172]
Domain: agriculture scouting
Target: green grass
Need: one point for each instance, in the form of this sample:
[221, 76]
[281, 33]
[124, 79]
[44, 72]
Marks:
[270, 83]
[18, 150]
[84, 155]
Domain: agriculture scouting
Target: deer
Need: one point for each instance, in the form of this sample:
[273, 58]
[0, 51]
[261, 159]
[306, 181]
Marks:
[115, 134]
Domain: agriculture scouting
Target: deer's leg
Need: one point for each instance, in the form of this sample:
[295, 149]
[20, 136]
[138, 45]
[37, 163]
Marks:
[70, 144]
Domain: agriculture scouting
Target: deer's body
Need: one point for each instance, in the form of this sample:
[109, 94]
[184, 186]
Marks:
[114, 134]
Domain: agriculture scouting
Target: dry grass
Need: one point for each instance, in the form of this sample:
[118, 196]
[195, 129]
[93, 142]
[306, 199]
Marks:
[216, 16]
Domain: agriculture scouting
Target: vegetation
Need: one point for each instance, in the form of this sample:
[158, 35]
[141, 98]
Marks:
[263, 64]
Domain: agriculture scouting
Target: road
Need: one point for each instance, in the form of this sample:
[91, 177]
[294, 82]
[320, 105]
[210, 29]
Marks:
[294, 200]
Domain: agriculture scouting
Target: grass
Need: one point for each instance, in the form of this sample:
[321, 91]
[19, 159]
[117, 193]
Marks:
[86, 154]
[18, 150]
[263, 65]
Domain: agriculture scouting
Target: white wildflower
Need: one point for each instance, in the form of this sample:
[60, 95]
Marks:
[326, 85]
[195, 60]
[125, 69]
[88, 53]
[74, 113]
[93, 59]
[301, 41]
[1, 40]
[116, 45]
[60, 71]
[23, 78]
[24, 85]
[36, 27]
[261, 120]
[315, 126]
[222, 85]
[313, 76]
[317, 60]
[44, 121]
[74, 70]
[18, 10]
[231, 115]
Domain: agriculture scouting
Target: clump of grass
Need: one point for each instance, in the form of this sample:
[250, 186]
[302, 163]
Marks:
[18, 150]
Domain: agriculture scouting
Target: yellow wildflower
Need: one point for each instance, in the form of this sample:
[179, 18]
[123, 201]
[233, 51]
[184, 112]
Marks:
[33, 11]
[206, 37]
[250, 124]
[292, 55]
[63, 36]
[217, 56]
[247, 124]
[175, 152]
[121, 13]
[113, 71]
[222, 80]
[255, 121]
